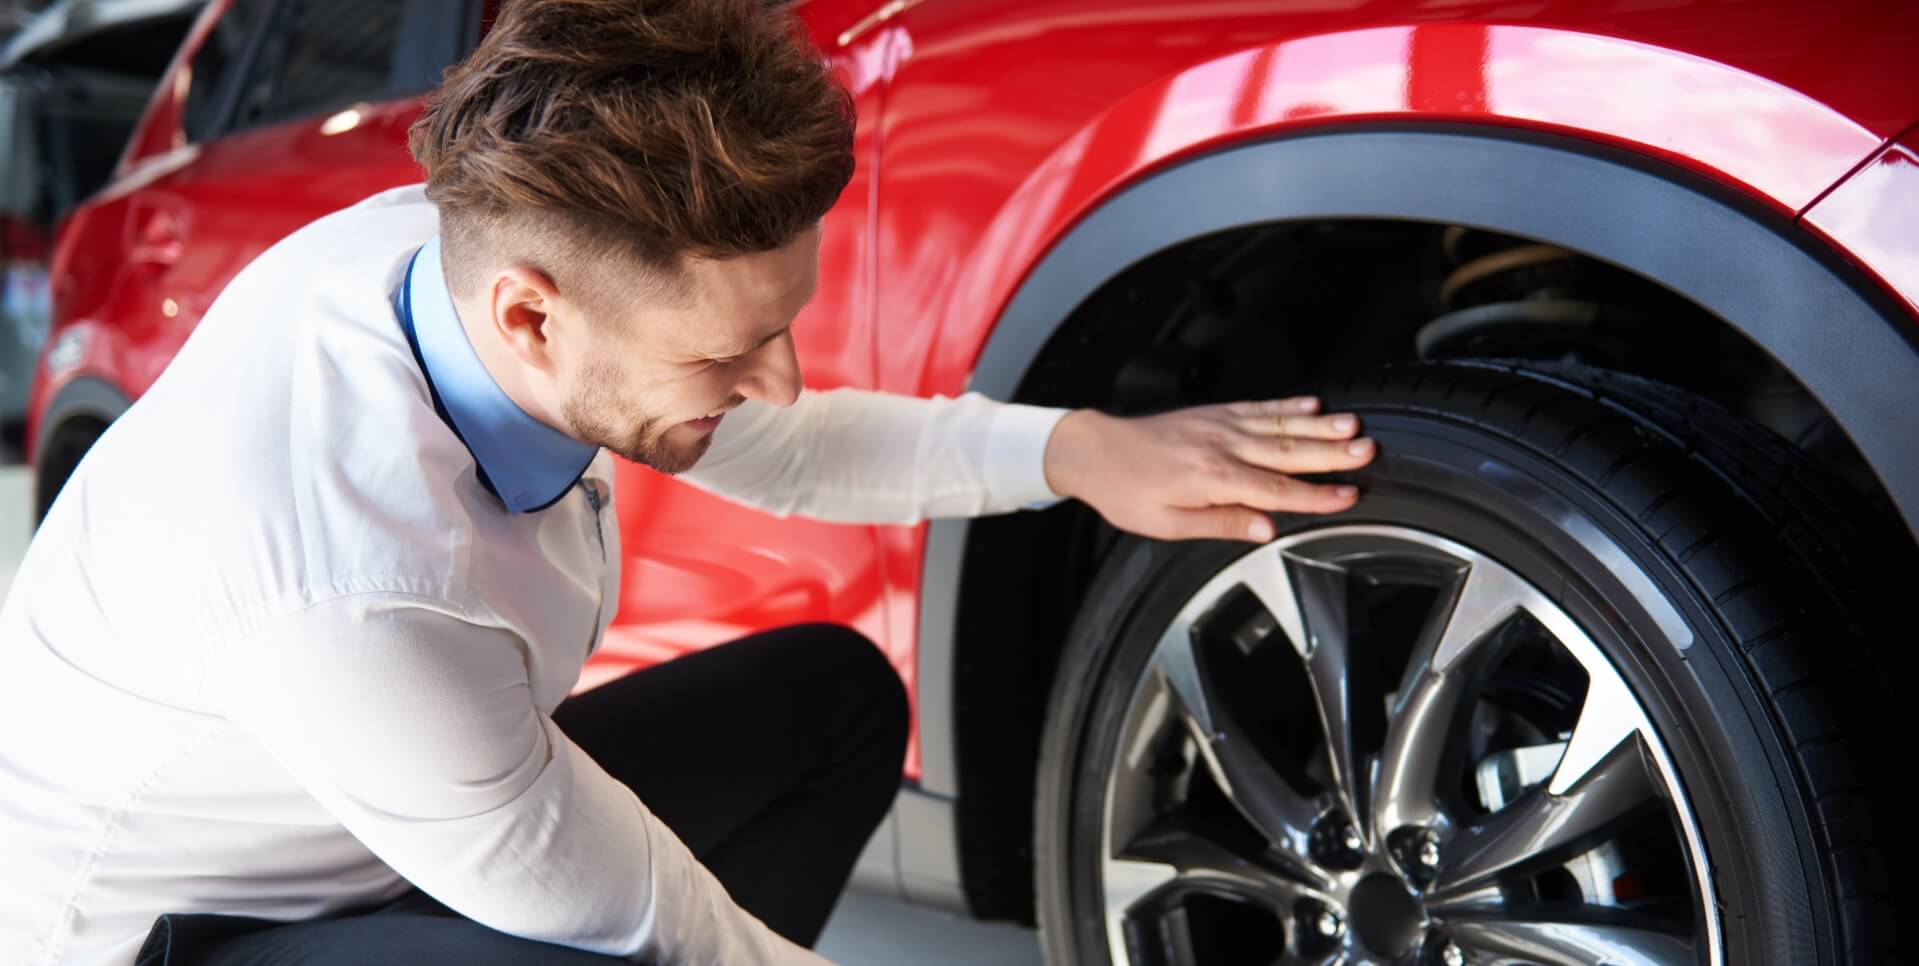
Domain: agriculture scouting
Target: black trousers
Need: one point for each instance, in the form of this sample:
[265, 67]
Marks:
[772, 757]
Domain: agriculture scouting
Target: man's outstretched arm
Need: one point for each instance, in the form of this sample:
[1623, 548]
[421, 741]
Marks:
[867, 457]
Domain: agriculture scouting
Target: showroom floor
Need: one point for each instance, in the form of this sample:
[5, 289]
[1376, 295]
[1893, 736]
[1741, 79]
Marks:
[864, 931]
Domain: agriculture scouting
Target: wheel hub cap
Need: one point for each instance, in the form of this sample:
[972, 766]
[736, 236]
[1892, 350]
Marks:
[1386, 916]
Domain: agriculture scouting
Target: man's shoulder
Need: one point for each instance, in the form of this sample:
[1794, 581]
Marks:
[403, 210]
[294, 435]
[350, 245]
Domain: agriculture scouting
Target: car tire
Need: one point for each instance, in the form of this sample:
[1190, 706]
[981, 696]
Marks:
[1655, 548]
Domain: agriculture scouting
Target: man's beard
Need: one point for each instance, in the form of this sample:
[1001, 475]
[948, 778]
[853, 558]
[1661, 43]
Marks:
[594, 414]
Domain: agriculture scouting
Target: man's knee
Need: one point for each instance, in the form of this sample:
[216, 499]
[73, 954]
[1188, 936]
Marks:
[865, 680]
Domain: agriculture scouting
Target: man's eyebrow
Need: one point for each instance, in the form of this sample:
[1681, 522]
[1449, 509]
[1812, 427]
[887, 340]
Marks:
[750, 349]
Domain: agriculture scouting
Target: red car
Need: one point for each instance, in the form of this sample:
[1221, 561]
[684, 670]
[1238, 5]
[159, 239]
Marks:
[1604, 667]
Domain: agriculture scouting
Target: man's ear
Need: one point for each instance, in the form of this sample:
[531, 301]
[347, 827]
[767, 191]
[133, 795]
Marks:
[523, 302]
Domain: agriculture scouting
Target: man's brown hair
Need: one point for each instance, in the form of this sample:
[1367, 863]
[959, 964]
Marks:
[659, 129]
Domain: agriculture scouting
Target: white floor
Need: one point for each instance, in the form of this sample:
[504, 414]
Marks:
[870, 931]
[865, 930]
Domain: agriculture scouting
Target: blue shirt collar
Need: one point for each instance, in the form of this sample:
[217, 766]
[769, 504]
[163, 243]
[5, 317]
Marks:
[526, 463]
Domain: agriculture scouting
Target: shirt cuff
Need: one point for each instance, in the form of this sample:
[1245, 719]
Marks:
[1016, 455]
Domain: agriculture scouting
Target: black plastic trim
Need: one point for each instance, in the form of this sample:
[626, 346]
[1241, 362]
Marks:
[83, 396]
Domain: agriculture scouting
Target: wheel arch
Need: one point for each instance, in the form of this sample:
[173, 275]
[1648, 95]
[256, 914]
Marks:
[73, 420]
[1767, 277]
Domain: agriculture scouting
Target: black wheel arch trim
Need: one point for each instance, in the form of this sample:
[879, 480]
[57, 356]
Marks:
[1828, 325]
[83, 396]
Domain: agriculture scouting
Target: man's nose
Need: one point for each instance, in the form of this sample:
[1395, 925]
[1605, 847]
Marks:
[773, 374]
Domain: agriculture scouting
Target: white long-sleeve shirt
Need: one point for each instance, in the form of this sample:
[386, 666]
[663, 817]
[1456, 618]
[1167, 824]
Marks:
[276, 651]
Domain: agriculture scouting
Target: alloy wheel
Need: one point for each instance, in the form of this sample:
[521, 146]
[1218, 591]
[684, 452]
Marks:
[1373, 744]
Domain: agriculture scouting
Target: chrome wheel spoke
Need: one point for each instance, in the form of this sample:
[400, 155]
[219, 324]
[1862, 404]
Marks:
[1542, 828]
[1416, 741]
[1129, 881]
[1608, 719]
[1308, 600]
[1146, 886]
[1569, 943]
[1422, 719]
[1341, 687]
[1265, 573]
[1256, 789]
[1167, 855]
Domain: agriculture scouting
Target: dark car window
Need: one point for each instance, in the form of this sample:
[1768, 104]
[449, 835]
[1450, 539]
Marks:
[70, 108]
[77, 124]
[143, 47]
[213, 71]
[325, 54]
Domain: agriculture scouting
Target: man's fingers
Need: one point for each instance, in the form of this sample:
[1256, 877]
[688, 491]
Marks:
[1217, 523]
[1291, 454]
[1250, 522]
[1297, 423]
[1268, 409]
[1265, 490]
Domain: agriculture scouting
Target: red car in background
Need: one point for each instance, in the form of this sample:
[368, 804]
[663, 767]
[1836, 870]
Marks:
[1605, 665]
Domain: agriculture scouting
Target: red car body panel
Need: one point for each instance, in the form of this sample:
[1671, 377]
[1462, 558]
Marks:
[988, 128]
[1874, 216]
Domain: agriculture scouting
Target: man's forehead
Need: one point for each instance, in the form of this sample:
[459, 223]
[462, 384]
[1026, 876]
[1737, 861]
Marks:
[740, 302]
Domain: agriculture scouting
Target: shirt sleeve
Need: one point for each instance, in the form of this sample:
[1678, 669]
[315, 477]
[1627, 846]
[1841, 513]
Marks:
[418, 732]
[856, 456]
